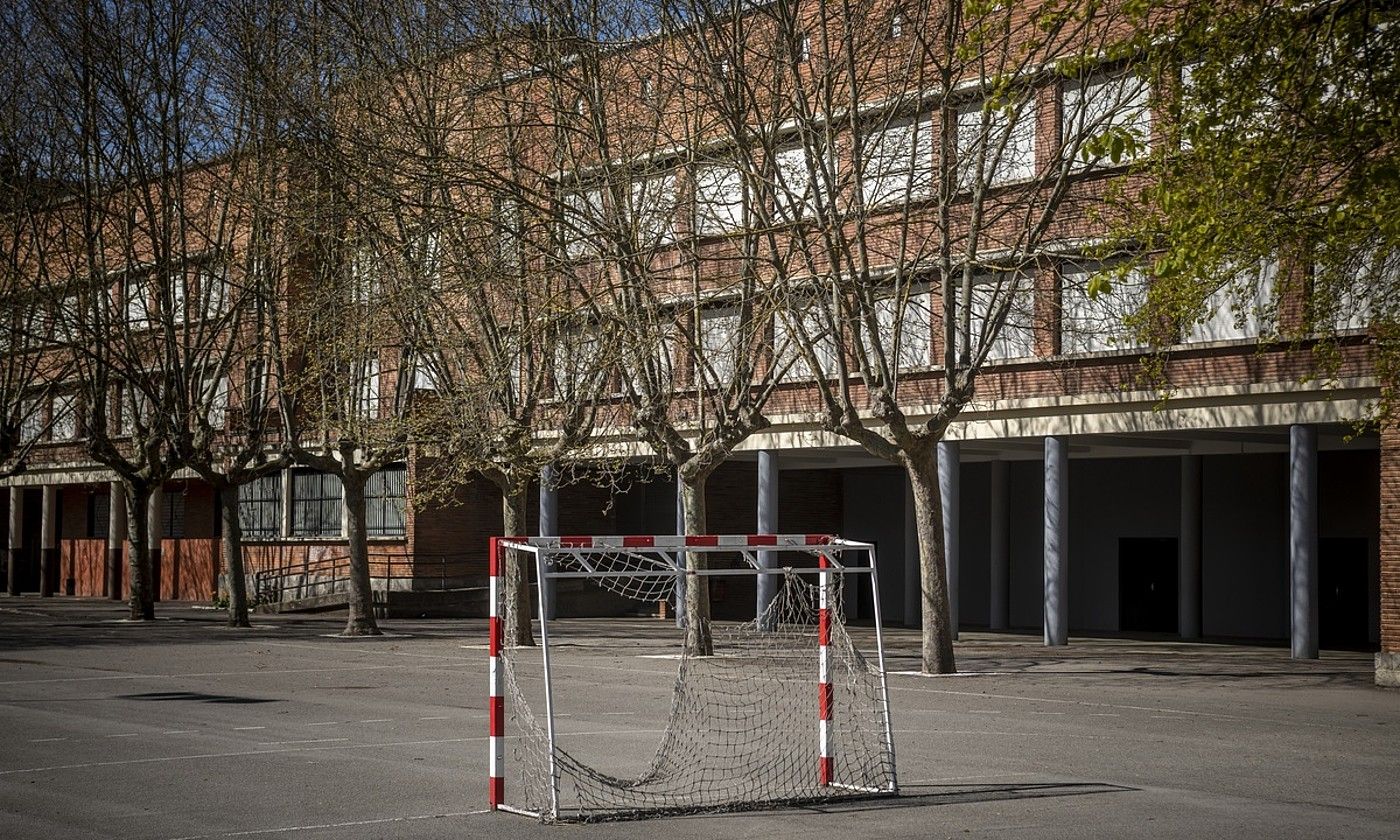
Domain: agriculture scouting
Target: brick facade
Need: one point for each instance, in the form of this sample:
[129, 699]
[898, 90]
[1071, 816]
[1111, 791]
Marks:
[1388, 659]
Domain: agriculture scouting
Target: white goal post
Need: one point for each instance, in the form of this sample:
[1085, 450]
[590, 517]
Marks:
[786, 709]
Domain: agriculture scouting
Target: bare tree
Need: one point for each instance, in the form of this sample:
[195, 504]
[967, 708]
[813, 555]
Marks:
[137, 255]
[875, 189]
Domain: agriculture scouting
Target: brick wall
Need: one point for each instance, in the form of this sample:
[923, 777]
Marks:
[1390, 539]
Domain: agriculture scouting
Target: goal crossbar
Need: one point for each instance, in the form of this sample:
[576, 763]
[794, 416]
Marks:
[660, 557]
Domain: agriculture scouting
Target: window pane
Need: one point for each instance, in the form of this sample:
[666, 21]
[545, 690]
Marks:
[899, 162]
[1001, 152]
[719, 199]
[719, 342]
[260, 507]
[1102, 104]
[1094, 324]
[385, 501]
[316, 504]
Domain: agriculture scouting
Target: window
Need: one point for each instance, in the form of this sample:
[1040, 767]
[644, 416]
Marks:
[424, 372]
[65, 417]
[990, 294]
[506, 213]
[581, 222]
[896, 24]
[138, 303]
[804, 47]
[260, 507]
[31, 421]
[1101, 105]
[808, 328]
[365, 280]
[576, 364]
[719, 199]
[899, 162]
[1001, 151]
[384, 502]
[214, 395]
[179, 294]
[1348, 302]
[719, 345]
[648, 90]
[364, 389]
[67, 320]
[213, 292]
[654, 210]
[909, 326]
[795, 194]
[172, 515]
[1094, 324]
[1239, 307]
[99, 515]
[316, 504]
[255, 384]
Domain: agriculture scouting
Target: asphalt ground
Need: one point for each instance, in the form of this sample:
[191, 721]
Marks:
[181, 728]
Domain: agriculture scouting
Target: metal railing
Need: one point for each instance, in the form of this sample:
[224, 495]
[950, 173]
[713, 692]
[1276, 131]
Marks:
[323, 576]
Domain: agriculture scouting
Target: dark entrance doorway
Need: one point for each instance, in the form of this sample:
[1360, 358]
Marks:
[1147, 584]
[1343, 594]
[30, 537]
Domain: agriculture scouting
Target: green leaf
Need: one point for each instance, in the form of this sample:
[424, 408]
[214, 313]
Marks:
[1099, 284]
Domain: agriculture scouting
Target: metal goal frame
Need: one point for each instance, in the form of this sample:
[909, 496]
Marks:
[664, 555]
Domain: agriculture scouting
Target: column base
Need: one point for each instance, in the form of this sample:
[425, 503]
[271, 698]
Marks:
[1388, 669]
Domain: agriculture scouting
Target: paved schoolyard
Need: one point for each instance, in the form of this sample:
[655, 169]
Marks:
[184, 729]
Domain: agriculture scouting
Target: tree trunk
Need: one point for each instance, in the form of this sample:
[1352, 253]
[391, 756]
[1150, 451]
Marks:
[937, 640]
[139, 595]
[517, 595]
[233, 559]
[698, 641]
[361, 619]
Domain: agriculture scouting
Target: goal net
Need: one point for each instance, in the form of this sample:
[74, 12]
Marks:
[788, 707]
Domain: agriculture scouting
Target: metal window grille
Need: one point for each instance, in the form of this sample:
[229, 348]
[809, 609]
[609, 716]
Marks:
[384, 502]
[316, 504]
[260, 507]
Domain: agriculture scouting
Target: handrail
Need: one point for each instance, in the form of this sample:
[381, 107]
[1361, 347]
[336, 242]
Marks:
[329, 575]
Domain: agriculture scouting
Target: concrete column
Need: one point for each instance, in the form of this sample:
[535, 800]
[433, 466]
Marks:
[913, 581]
[155, 520]
[1302, 506]
[680, 555]
[116, 538]
[48, 541]
[1188, 589]
[549, 527]
[1001, 546]
[1056, 541]
[16, 553]
[767, 524]
[950, 488]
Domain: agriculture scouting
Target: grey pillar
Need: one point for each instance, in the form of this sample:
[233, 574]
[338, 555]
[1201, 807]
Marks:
[549, 527]
[950, 488]
[16, 548]
[767, 524]
[1000, 553]
[1056, 541]
[1188, 611]
[680, 555]
[1302, 506]
[913, 581]
[116, 537]
[48, 541]
[155, 519]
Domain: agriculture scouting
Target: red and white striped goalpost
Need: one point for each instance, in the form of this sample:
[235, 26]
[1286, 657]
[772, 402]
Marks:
[825, 695]
[497, 714]
[825, 689]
